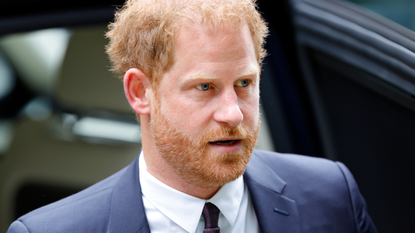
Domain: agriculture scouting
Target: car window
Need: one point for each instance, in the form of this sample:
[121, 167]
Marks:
[399, 11]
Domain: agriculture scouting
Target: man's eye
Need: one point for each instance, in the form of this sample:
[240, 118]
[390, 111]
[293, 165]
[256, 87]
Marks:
[204, 86]
[243, 83]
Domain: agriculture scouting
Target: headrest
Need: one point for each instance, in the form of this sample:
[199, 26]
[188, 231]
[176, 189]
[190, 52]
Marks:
[85, 80]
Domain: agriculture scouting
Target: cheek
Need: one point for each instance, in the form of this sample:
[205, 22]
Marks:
[184, 114]
[250, 110]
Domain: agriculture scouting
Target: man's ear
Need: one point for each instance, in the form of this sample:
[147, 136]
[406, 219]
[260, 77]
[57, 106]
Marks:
[137, 88]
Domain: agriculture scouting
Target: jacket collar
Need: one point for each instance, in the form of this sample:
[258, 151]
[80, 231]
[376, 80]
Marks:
[127, 209]
[264, 185]
[274, 211]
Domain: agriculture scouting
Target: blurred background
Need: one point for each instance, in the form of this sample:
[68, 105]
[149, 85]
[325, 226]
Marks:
[339, 83]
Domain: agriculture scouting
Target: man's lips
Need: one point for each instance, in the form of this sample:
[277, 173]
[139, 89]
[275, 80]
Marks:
[226, 142]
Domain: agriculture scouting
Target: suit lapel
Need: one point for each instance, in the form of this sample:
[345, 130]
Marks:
[265, 189]
[127, 209]
[275, 212]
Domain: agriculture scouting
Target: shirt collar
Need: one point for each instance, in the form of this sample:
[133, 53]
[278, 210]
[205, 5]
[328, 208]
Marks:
[183, 209]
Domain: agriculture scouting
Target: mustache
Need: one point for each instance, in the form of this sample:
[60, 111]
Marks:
[224, 131]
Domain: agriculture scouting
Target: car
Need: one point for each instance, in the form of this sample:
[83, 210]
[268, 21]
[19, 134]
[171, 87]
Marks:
[338, 83]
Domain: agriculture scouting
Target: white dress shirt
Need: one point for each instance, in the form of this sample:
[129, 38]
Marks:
[169, 210]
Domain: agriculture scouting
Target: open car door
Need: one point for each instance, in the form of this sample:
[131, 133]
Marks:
[359, 70]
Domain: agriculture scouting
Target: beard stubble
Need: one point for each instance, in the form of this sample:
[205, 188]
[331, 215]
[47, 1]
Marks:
[190, 156]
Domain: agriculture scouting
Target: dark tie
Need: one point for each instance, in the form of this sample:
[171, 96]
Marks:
[211, 215]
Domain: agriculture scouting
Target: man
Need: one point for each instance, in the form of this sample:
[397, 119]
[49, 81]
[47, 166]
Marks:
[191, 72]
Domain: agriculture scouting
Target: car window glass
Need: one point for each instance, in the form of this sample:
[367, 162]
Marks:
[399, 11]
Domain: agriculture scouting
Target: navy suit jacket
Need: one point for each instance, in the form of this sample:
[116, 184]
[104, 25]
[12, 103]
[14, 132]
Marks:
[290, 194]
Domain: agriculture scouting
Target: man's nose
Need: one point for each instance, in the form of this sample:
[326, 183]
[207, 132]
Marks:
[228, 110]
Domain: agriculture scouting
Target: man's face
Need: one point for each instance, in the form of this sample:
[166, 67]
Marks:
[205, 117]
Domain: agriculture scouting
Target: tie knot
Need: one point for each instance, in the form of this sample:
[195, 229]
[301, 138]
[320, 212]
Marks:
[211, 215]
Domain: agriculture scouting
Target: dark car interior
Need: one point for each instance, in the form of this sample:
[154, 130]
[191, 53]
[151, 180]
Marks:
[338, 83]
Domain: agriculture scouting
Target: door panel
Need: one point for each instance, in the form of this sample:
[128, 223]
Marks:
[359, 70]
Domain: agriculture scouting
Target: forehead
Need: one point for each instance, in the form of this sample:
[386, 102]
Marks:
[206, 52]
[228, 40]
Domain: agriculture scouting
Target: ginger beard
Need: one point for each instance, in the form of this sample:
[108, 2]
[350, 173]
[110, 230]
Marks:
[190, 157]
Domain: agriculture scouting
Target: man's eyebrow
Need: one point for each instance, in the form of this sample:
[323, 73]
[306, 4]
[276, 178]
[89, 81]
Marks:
[201, 76]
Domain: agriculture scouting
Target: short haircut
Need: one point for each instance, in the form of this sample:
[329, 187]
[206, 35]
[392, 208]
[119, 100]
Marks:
[144, 31]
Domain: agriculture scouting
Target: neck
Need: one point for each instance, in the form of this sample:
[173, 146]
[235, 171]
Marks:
[162, 171]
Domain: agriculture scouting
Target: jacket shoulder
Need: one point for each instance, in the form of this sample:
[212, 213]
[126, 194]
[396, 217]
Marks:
[85, 211]
[305, 173]
[323, 190]
[285, 164]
